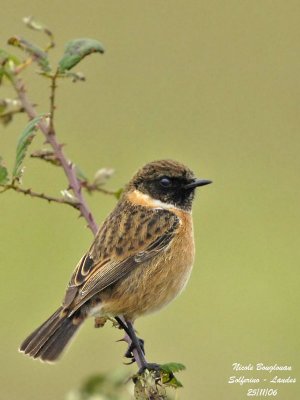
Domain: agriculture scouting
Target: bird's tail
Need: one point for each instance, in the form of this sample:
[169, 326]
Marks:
[49, 340]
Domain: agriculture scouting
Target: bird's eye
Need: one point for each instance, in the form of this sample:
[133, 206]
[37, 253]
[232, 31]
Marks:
[165, 182]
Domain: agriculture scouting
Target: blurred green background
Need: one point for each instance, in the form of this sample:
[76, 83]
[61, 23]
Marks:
[214, 85]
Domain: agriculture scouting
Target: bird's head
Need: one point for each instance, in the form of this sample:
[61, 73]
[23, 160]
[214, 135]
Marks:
[167, 181]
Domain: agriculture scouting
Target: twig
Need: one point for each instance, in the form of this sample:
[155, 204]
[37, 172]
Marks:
[43, 196]
[91, 187]
[52, 102]
[67, 166]
[46, 155]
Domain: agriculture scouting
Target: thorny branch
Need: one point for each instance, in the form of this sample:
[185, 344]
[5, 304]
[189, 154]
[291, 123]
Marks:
[42, 196]
[90, 187]
[50, 136]
[52, 103]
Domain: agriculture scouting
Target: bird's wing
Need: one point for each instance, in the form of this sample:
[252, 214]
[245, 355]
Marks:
[125, 240]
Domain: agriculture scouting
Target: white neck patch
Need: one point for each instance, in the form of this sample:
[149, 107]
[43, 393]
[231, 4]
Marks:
[143, 199]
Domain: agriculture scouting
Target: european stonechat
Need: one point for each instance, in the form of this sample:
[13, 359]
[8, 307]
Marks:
[140, 260]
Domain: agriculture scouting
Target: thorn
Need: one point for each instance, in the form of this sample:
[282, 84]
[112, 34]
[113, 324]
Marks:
[129, 363]
[121, 340]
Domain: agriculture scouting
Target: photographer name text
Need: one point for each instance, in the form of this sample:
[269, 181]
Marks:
[265, 375]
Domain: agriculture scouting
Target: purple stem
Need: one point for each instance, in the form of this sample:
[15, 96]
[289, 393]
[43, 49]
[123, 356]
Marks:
[67, 166]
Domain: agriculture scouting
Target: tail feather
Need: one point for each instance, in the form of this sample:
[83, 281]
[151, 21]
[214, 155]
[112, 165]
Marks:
[40, 335]
[49, 340]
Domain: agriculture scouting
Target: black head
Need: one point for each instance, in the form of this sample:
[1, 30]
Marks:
[167, 181]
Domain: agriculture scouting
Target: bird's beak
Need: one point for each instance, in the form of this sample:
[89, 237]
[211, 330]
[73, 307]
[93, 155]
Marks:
[196, 183]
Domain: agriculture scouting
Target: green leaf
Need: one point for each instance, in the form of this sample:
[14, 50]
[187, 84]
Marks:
[76, 50]
[38, 55]
[24, 141]
[171, 381]
[3, 173]
[7, 63]
[172, 367]
[80, 174]
[118, 193]
[5, 57]
[32, 23]
[168, 377]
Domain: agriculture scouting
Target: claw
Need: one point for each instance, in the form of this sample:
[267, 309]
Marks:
[121, 340]
[129, 352]
[129, 363]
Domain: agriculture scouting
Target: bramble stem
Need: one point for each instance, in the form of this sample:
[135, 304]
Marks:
[52, 102]
[67, 166]
[90, 187]
[42, 196]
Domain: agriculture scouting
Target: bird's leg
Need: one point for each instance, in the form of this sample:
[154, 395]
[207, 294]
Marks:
[136, 344]
[131, 346]
[129, 352]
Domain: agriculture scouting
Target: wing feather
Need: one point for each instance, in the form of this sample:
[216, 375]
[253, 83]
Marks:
[117, 250]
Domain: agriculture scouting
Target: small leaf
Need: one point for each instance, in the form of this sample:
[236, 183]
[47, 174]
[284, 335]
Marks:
[102, 176]
[167, 374]
[32, 23]
[46, 155]
[5, 57]
[8, 63]
[171, 381]
[67, 196]
[24, 141]
[76, 50]
[76, 76]
[172, 367]
[38, 55]
[118, 193]
[3, 173]
[80, 174]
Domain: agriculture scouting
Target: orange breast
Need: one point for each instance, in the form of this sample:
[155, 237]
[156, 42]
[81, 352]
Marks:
[155, 283]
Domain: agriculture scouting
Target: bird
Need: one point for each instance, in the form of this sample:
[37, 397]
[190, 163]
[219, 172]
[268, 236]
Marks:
[140, 260]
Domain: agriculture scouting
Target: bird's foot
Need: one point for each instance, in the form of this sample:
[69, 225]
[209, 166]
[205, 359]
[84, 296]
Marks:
[131, 347]
[150, 367]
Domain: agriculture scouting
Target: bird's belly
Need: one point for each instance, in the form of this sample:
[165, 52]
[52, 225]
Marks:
[154, 284]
